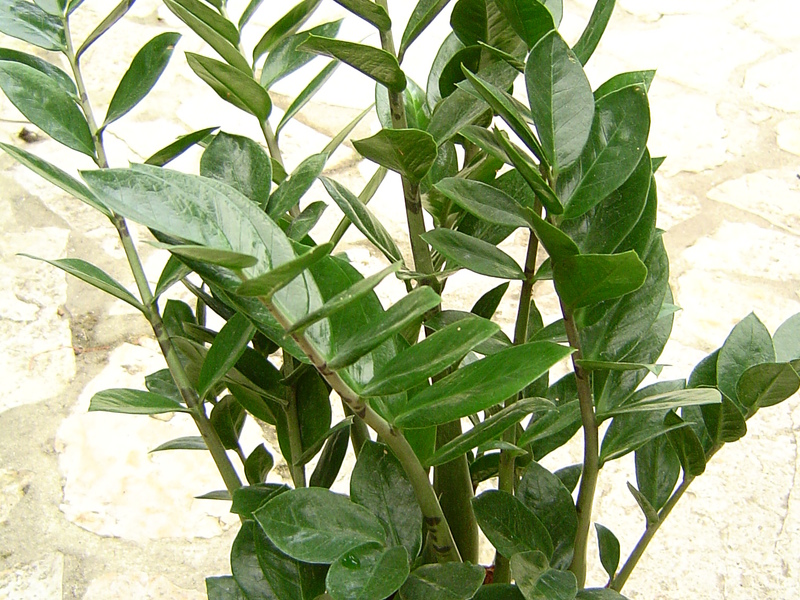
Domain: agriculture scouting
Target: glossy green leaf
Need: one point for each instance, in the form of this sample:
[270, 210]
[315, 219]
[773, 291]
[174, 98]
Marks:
[748, 344]
[448, 49]
[414, 365]
[470, 21]
[608, 545]
[248, 12]
[445, 581]
[657, 470]
[192, 442]
[424, 12]
[624, 80]
[241, 163]
[145, 70]
[44, 102]
[600, 365]
[369, 11]
[94, 276]
[223, 258]
[258, 465]
[379, 483]
[228, 346]
[499, 591]
[316, 525]
[368, 572]
[308, 92]
[312, 450]
[539, 582]
[587, 279]
[418, 114]
[289, 193]
[473, 254]
[52, 7]
[224, 588]
[487, 304]
[410, 152]
[484, 139]
[56, 74]
[373, 62]
[178, 147]
[544, 494]
[531, 20]
[363, 219]
[284, 27]
[488, 429]
[409, 309]
[26, 21]
[111, 19]
[173, 272]
[666, 401]
[787, 340]
[227, 418]
[270, 282]
[484, 201]
[331, 459]
[599, 594]
[232, 85]
[212, 18]
[766, 384]
[161, 383]
[481, 384]
[590, 38]
[133, 402]
[306, 220]
[561, 100]
[509, 525]
[248, 498]
[687, 446]
[616, 144]
[313, 407]
[285, 58]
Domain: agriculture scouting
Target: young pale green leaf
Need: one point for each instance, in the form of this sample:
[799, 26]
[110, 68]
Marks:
[306, 220]
[488, 429]
[616, 144]
[289, 193]
[414, 365]
[56, 74]
[473, 254]
[248, 12]
[363, 219]
[608, 545]
[562, 104]
[424, 12]
[481, 384]
[444, 581]
[379, 484]
[286, 58]
[766, 384]
[315, 525]
[241, 163]
[228, 346]
[284, 27]
[375, 63]
[213, 256]
[410, 152]
[484, 201]
[111, 19]
[94, 276]
[400, 315]
[586, 279]
[133, 402]
[232, 85]
[258, 465]
[45, 103]
[192, 442]
[531, 20]
[657, 470]
[748, 344]
[367, 572]
[586, 45]
[145, 70]
[308, 92]
[52, 7]
[26, 21]
[665, 401]
[267, 284]
[687, 445]
[510, 526]
[787, 340]
[331, 459]
[369, 11]
[178, 147]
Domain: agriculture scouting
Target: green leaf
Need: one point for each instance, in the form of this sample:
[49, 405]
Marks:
[414, 365]
[539, 582]
[418, 114]
[379, 484]
[312, 450]
[306, 220]
[586, 279]
[227, 418]
[248, 12]
[133, 402]
[270, 282]
[665, 401]
[331, 459]
[284, 27]
[340, 137]
[787, 340]
[258, 465]
[44, 102]
[316, 525]
[56, 74]
[228, 346]
[608, 545]
[224, 588]
[748, 344]
[28, 22]
[285, 58]
[484, 201]
[173, 272]
[543, 493]
[145, 70]
[111, 19]
[212, 18]
[723, 423]
[616, 144]
[487, 430]
[487, 304]
[192, 442]
[424, 12]
[241, 163]
[410, 152]
[223, 258]
[624, 80]
[586, 45]
[766, 384]
[481, 384]
[94, 276]
[232, 85]
[469, 21]
[599, 594]
[445, 581]
[499, 591]
[473, 254]
[52, 7]
[312, 397]
[369, 11]
[363, 219]
[373, 62]
[657, 470]
[308, 92]
[509, 525]
[367, 572]
[409, 309]
[289, 193]
[561, 99]
[687, 445]
[248, 498]
[178, 147]
[601, 365]
[552, 429]
[531, 20]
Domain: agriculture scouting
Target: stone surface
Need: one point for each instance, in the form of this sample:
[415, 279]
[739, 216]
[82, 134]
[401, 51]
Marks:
[13, 486]
[137, 586]
[39, 580]
[789, 136]
[771, 84]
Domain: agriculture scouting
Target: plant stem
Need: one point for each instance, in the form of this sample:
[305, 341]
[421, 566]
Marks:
[298, 472]
[591, 450]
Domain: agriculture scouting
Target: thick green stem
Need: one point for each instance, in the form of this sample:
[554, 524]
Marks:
[591, 450]
[292, 413]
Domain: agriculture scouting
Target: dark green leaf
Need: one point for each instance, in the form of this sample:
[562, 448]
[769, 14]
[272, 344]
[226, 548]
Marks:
[369, 11]
[56, 74]
[484, 201]
[173, 272]
[499, 591]
[367, 572]
[608, 545]
[316, 525]
[570, 476]
[133, 402]
[111, 19]
[446, 581]
[28, 22]
[724, 422]
[410, 152]
[178, 147]
[375, 63]
[284, 27]
[313, 406]
[228, 346]
[585, 46]
[232, 85]
[306, 220]
[289, 193]
[418, 114]
[599, 594]
[241, 163]
[509, 525]
[308, 92]
[470, 22]
[227, 418]
[311, 452]
[331, 459]
[449, 48]
[624, 80]
[787, 340]
[666, 401]
[748, 344]
[212, 18]
[223, 258]
[258, 464]
[487, 304]
[270, 282]
[587, 279]
[531, 20]
[687, 446]
[45, 103]
[224, 588]
[424, 12]
[248, 12]
[539, 582]
[285, 59]
[657, 470]
[193, 442]
[766, 384]
[248, 498]
[161, 383]
[553, 429]
[473, 254]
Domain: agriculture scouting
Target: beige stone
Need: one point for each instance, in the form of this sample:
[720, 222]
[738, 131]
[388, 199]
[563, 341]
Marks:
[39, 580]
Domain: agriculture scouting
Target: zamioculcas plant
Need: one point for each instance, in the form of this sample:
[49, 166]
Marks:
[438, 400]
